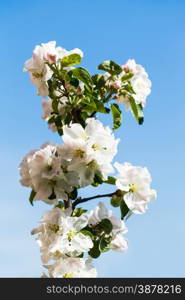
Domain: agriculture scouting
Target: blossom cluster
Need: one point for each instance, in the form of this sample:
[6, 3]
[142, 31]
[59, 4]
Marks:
[69, 238]
[55, 171]
[64, 239]
[38, 67]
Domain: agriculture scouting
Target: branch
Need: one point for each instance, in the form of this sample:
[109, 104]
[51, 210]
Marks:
[82, 200]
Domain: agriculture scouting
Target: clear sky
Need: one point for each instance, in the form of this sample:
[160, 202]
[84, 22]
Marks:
[152, 32]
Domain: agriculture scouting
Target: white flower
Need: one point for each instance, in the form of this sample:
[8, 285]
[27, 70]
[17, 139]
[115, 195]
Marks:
[60, 234]
[118, 242]
[140, 83]
[24, 169]
[90, 150]
[40, 73]
[99, 213]
[37, 66]
[72, 268]
[135, 181]
[46, 173]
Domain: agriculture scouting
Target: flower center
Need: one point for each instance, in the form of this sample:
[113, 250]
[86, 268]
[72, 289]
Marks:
[57, 254]
[133, 187]
[53, 227]
[79, 153]
[68, 275]
[96, 147]
[71, 235]
[92, 164]
[37, 75]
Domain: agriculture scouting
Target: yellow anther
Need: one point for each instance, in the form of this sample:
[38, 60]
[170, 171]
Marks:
[68, 275]
[71, 235]
[54, 227]
[79, 153]
[96, 147]
[133, 187]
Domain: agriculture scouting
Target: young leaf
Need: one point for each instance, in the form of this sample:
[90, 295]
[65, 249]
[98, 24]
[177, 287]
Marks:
[78, 212]
[97, 180]
[83, 75]
[55, 105]
[51, 119]
[117, 116]
[74, 194]
[101, 108]
[124, 209]
[58, 121]
[71, 60]
[105, 225]
[137, 111]
[127, 76]
[110, 67]
[104, 245]
[115, 201]
[98, 80]
[32, 195]
[110, 180]
[60, 205]
[95, 251]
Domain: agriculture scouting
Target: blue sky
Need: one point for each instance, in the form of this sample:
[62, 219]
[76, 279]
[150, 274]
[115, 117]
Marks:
[152, 32]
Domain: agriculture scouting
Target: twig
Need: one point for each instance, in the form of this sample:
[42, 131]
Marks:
[82, 200]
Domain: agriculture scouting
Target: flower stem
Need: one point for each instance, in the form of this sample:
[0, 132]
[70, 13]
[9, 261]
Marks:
[82, 200]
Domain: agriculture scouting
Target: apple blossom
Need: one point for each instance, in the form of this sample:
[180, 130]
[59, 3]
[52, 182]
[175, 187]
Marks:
[71, 268]
[45, 172]
[140, 83]
[135, 181]
[59, 234]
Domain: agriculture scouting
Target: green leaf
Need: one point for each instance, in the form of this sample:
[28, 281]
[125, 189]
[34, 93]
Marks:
[87, 233]
[110, 67]
[140, 114]
[116, 201]
[58, 121]
[51, 119]
[104, 245]
[78, 212]
[101, 108]
[117, 116]
[71, 60]
[124, 209]
[105, 225]
[98, 80]
[110, 180]
[127, 77]
[97, 180]
[83, 75]
[74, 194]
[60, 205]
[81, 255]
[89, 103]
[137, 111]
[55, 105]
[51, 89]
[32, 196]
[74, 82]
[129, 88]
[95, 251]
